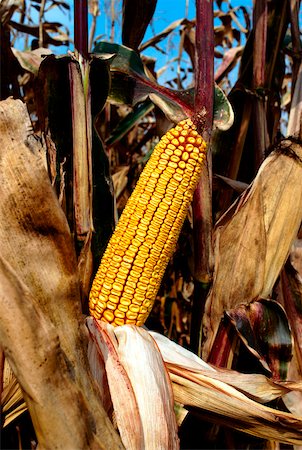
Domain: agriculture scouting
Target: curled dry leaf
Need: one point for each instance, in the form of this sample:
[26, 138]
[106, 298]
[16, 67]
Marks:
[254, 237]
[181, 361]
[224, 405]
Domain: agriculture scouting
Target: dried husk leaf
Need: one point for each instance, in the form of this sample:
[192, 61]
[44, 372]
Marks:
[175, 354]
[150, 380]
[122, 393]
[224, 405]
[181, 361]
[253, 239]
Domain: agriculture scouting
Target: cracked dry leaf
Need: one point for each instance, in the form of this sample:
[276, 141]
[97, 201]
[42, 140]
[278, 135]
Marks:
[254, 237]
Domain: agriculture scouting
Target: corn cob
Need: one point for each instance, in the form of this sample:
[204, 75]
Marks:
[130, 273]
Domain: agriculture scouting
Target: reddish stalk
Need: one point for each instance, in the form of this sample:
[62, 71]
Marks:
[204, 72]
[81, 27]
[202, 202]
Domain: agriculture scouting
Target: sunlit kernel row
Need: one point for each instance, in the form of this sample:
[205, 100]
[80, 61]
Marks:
[134, 262]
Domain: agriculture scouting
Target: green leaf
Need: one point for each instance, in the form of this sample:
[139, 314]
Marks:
[126, 60]
[130, 84]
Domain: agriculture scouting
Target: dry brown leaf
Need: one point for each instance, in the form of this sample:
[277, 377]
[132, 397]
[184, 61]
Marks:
[120, 180]
[224, 405]
[253, 238]
[38, 254]
[182, 361]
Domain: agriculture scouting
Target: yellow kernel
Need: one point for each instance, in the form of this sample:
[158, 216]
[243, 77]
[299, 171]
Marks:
[130, 315]
[191, 139]
[185, 156]
[174, 158]
[114, 298]
[171, 147]
[125, 300]
[99, 309]
[119, 322]
[117, 258]
[121, 277]
[135, 242]
[161, 167]
[177, 177]
[147, 303]
[143, 309]
[131, 278]
[192, 161]
[181, 139]
[169, 135]
[130, 284]
[122, 308]
[111, 305]
[105, 291]
[194, 156]
[119, 313]
[170, 169]
[141, 287]
[189, 167]
[108, 315]
[138, 297]
[164, 157]
[129, 254]
[134, 308]
[111, 276]
[130, 322]
[96, 315]
[172, 164]
[129, 289]
[175, 132]
[117, 286]
[139, 264]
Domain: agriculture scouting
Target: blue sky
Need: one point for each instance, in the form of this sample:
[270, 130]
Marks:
[167, 11]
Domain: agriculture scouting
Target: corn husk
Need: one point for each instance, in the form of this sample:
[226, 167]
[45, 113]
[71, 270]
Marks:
[121, 389]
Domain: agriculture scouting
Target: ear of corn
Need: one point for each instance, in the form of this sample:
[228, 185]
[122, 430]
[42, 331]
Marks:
[130, 273]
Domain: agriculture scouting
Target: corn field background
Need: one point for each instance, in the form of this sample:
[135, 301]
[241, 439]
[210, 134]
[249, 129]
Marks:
[81, 111]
